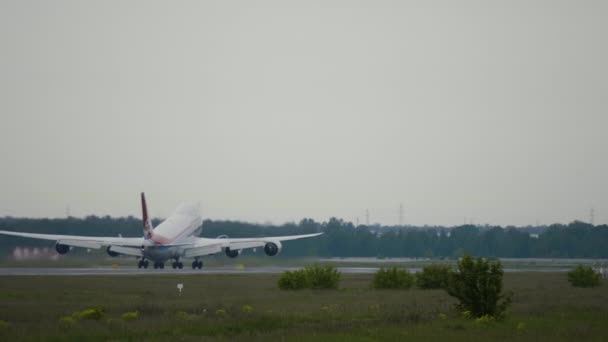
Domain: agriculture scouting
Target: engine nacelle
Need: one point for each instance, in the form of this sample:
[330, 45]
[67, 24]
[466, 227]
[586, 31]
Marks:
[233, 253]
[272, 248]
[111, 252]
[62, 249]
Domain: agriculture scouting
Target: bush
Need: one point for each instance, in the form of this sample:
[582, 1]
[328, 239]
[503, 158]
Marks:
[584, 276]
[94, 314]
[478, 287]
[393, 278]
[293, 280]
[315, 277]
[131, 315]
[184, 315]
[322, 277]
[67, 320]
[433, 277]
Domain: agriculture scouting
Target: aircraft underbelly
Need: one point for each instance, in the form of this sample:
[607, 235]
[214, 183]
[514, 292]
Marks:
[161, 253]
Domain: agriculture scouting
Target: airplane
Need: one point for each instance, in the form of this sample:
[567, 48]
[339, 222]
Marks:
[173, 239]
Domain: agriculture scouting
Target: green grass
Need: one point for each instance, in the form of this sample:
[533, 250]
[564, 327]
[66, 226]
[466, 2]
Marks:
[545, 307]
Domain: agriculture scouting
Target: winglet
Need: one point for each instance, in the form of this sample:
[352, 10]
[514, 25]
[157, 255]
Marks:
[148, 229]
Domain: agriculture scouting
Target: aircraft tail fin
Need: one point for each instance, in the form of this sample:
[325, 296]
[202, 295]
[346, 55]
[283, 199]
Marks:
[148, 229]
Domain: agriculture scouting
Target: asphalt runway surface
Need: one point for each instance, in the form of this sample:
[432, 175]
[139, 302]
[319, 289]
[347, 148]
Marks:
[30, 271]
[151, 271]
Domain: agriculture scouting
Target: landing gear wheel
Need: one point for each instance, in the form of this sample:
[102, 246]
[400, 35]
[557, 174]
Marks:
[161, 265]
[180, 265]
[197, 264]
[140, 264]
[174, 265]
[145, 264]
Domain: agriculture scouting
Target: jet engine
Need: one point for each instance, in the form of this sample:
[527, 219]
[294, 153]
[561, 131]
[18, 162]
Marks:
[272, 248]
[62, 249]
[111, 252]
[233, 253]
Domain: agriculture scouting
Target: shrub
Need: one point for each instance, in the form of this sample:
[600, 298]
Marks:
[520, 327]
[184, 315]
[485, 320]
[478, 287]
[584, 276]
[433, 277]
[94, 314]
[322, 277]
[220, 312]
[129, 316]
[293, 280]
[315, 277]
[393, 278]
[247, 309]
[67, 320]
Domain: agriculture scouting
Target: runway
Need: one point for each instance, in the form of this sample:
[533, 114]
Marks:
[130, 271]
[165, 271]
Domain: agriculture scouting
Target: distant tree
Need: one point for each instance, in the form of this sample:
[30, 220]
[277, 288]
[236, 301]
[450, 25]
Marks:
[343, 239]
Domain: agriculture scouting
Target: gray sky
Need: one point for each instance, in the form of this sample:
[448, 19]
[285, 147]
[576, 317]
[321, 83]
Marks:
[276, 110]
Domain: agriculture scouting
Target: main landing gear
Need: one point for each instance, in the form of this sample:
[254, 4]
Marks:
[197, 264]
[143, 263]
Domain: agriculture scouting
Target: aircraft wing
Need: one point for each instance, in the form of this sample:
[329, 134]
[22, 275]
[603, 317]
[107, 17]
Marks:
[93, 242]
[205, 246]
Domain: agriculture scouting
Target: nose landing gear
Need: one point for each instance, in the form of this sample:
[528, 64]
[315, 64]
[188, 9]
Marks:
[177, 264]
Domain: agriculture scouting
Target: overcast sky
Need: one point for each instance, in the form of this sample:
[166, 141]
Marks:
[491, 111]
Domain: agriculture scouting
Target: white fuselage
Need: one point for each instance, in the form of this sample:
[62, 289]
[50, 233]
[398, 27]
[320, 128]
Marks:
[177, 229]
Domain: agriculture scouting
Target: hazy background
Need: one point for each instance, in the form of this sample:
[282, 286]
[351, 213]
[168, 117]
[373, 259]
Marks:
[494, 111]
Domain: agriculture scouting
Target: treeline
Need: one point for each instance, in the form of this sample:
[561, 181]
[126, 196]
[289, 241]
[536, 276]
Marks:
[343, 239]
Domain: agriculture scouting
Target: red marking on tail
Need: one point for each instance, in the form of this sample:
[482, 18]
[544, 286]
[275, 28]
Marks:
[145, 218]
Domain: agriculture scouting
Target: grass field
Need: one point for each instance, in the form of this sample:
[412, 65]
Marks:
[250, 307]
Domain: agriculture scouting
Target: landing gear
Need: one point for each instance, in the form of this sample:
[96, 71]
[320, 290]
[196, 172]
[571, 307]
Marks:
[197, 264]
[160, 265]
[177, 264]
[142, 263]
